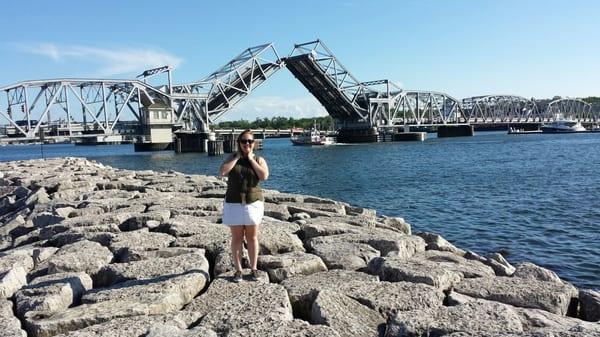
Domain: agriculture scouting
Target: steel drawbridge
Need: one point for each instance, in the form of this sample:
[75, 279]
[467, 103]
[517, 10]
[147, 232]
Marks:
[70, 106]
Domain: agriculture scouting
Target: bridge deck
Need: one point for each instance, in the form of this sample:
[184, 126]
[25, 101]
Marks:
[221, 99]
[317, 82]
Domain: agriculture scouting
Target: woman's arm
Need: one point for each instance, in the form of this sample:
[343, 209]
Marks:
[260, 167]
[228, 164]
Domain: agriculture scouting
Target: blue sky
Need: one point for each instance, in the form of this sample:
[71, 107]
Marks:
[464, 48]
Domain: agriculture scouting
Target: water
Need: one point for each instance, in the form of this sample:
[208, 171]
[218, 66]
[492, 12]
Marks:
[531, 197]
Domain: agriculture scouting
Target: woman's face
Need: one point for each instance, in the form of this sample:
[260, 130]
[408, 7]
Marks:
[246, 143]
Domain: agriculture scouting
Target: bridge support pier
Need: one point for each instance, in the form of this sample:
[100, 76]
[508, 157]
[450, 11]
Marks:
[455, 131]
[358, 135]
[191, 142]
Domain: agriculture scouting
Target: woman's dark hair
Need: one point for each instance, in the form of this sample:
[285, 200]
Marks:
[247, 131]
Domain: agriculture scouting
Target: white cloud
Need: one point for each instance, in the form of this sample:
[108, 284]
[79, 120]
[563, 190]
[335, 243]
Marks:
[108, 61]
[272, 106]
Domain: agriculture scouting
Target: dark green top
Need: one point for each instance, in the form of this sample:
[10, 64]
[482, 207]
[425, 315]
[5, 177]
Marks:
[243, 185]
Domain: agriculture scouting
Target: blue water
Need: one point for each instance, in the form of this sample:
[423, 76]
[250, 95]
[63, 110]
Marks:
[531, 197]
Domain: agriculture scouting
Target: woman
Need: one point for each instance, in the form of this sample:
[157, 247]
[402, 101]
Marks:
[244, 203]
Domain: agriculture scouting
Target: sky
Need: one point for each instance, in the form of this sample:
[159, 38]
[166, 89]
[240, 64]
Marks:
[530, 48]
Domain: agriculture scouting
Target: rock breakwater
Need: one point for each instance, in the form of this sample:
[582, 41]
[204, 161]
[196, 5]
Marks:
[90, 250]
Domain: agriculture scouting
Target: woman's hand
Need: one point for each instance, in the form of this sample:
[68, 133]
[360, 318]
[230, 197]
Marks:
[229, 163]
[260, 167]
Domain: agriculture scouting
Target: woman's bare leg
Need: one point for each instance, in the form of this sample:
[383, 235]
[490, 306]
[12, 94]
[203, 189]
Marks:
[237, 235]
[252, 241]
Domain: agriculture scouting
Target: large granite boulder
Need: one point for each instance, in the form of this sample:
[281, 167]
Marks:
[136, 326]
[283, 266]
[141, 239]
[14, 267]
[344, 255]
[153, 268]
[223, 289]
[589, 305]
[396, 269]
[296, 328]
[388, 298]
[385, 242]
[520, 292]
[303, 289]
[133, 298]
[531, 271]
[10, 326]
[437, 242]
[345, 315]
[52, 293]
[85, 256]
[472, 319]
[263, 302]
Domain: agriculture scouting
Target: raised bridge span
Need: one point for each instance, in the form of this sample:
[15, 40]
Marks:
[107, 106]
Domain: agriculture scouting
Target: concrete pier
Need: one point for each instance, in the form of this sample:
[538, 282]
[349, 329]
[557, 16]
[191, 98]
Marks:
[215, 147]
[190, 142]
[455, 131]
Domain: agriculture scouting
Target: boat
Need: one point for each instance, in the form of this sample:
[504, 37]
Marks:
[562, 126]
[313, 137]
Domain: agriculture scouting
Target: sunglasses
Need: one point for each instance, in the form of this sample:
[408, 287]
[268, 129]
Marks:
[246, 141]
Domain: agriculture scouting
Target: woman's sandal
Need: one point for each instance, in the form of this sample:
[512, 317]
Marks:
[254, 275]
[237, 277]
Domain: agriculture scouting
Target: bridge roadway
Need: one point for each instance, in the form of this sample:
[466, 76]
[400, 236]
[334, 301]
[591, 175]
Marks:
[102, 104]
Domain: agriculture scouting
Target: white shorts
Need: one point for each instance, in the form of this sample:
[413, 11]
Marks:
[243, 214]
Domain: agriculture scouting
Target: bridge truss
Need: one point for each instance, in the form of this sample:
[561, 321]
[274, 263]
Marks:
[99, 106]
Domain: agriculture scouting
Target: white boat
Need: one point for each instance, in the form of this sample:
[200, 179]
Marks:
[313, 137]
[562, 126]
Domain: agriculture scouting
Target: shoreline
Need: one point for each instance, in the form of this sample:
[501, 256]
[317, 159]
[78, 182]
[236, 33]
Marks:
[153, 247]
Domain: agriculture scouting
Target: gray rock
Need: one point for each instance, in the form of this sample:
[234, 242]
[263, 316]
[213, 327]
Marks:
[136, 326]
[44, 219]
[397, 269]
[500, 265]
[531, 271]
[152, 268]
[277, 197]
[453, 262]
[14, 267]
[388, 298]
[344, 255]
[223, 289]
[473, 318]
[397, 223]
[131, 254]
[140, 220]
[85, 256]
[133, 298]
[276, 211]
[385, 243]
[141, 239]
[261, 303]
[360, 211]
[437, 242]
[589, 305]
[549, 296]
[345, 315]
[296, 328]
[281, 267]
[303, 289]
[185, 225]
[306, 208]
[318, 227]
[274, 238]
[10, 326]
[52, 293]
[168, 330]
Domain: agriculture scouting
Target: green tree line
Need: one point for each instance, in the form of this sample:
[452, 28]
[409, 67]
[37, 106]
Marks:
[323, 123]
